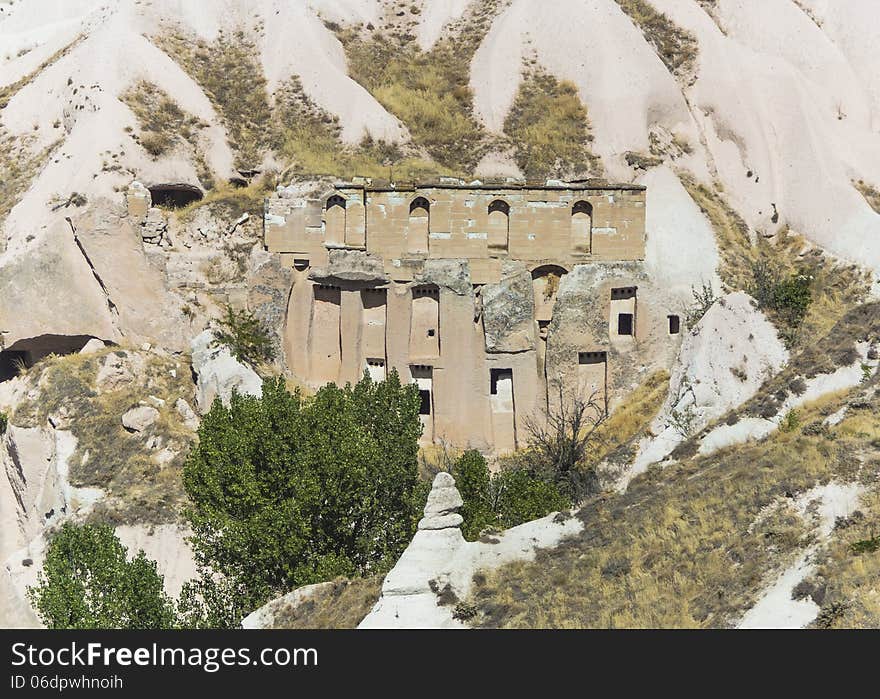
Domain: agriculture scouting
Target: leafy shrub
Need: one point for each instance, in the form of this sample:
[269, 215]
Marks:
[289, 491]
[703, 300]
[87, 582]
[4, 423]
[786, 296]
[510, 497]
[246, 336]
[866, 546]
[790, 422]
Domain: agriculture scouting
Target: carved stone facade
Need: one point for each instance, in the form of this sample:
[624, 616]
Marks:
[484, 294]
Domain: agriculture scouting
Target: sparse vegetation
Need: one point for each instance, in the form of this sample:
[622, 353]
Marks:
[107, 456]
[246, 336]
[230, 74]
[697, 551]
[835, 288]
[871, 194]
[164, 124]
[4, 423]
[427, 90]
[309, 138]
[676, 47]
[704, 297]
[341, 604]
[550, 130]
[561, 443]
[9, 91]
[614, 440]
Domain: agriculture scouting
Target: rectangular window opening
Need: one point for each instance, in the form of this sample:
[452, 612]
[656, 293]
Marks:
[627, 292]
[625, 324]
[497, 375]
[674, 325]
[425, 402]
[592, 357]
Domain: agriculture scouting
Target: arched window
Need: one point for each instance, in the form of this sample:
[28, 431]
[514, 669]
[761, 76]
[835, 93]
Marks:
[499, 206]
[581, 226]
[545, 285]
[334, 219]
[419, 222]
[419, 207]
[499, 225]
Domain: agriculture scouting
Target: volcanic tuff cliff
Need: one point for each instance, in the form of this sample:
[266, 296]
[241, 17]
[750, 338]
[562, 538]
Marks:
[752, 125]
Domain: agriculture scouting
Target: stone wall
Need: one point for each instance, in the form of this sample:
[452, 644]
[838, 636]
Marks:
[486, 296]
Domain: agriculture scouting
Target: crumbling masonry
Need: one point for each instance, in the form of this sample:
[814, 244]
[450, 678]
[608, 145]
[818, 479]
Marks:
[488, 295]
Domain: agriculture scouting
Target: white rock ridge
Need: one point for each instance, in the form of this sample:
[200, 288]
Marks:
[722, 363]
[219, 373]
[440, 560]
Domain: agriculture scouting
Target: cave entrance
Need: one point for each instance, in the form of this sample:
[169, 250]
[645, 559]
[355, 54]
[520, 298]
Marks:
[10, 363]
[175, 196]
[27, 352]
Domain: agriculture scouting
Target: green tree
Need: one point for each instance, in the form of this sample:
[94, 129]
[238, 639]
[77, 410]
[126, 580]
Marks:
[475, 485]
[512, 496]
[289, 490]
[87, 582]
[246, 336]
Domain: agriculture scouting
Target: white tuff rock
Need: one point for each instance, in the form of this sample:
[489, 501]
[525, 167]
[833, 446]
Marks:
[439, 559]
[219, 373]
[140, 418]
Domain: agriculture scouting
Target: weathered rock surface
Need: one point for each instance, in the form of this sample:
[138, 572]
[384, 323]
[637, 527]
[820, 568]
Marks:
[441, 509]
[722, 363]
[352, 265]
[145, 309]
[508, 314]
[452, 274]
[190, 419]
[140, 418]
[48, 289]
[219, 373]
[440, 560]
[92, 346]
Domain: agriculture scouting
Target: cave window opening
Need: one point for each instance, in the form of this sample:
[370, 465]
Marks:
[175, 196]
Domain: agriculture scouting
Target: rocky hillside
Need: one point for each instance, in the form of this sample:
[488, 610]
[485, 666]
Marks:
[139, 139]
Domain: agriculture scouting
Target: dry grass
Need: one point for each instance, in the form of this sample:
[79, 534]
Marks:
[676, 47]
[836, 288]
[849, 568]
[427, 90]
[871, 194]
[227, 202]
[550, 130]
[309, 138]
[230, 74]
[8, 92]
[342, 605]
[683, 547]
[615, 438]
[107, 455]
